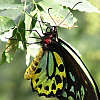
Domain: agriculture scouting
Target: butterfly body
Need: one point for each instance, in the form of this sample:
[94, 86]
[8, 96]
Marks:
[60, 72]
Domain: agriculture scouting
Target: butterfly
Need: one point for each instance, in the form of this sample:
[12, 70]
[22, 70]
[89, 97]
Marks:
[58, 71]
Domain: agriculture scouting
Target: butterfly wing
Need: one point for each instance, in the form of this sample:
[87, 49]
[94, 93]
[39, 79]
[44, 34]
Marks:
[60, 72]
[80, 84]
[51, 79]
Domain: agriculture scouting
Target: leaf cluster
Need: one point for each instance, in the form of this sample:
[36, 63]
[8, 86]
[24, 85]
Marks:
[16, 29]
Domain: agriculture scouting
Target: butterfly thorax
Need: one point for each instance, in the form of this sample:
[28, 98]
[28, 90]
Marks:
[49, 36]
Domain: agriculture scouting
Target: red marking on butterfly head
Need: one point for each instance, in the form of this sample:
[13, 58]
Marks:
[48, 40]
[49, 36]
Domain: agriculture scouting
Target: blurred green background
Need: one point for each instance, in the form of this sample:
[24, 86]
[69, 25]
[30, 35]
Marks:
[85, 38]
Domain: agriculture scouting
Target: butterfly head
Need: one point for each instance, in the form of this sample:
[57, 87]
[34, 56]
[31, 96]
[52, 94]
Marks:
[50, 35]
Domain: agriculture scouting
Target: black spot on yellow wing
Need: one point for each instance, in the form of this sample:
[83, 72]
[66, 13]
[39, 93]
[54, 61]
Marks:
[37, 80]
[46, 88]
[36, 63]
[61, 68]
[58, 92]
[51, 94]
[53, 86]
[38, 70]
[50, 86]
[40, 86]
[58, 79]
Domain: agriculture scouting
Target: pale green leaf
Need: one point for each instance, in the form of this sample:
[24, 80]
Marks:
[3, 60]
[10, 51]
[84, 6]
[6, 24]
[58, 14]
[11, 6]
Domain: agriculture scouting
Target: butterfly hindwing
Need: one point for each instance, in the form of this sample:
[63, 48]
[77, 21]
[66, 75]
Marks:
[48, 81]
[34, 67]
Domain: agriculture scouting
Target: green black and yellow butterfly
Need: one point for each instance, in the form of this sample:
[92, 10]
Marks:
[58, 71]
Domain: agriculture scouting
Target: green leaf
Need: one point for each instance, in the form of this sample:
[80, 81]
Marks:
[59, 18]
[11, 6]
[11, 46]
[84, 6]
[6, 24]
[10, 51]
[30, 20]
[48, 4]
[20, 33]
[7, 1]
[3, 58]
[58, 13]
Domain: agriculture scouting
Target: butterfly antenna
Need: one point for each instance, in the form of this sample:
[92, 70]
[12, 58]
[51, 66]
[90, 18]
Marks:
[69, 13]
[51, 16]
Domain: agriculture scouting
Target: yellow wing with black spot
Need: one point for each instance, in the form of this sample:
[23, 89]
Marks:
[49, 75]
[31, 70]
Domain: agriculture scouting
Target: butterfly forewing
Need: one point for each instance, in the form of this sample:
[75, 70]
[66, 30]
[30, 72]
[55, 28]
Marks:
[80, 85]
